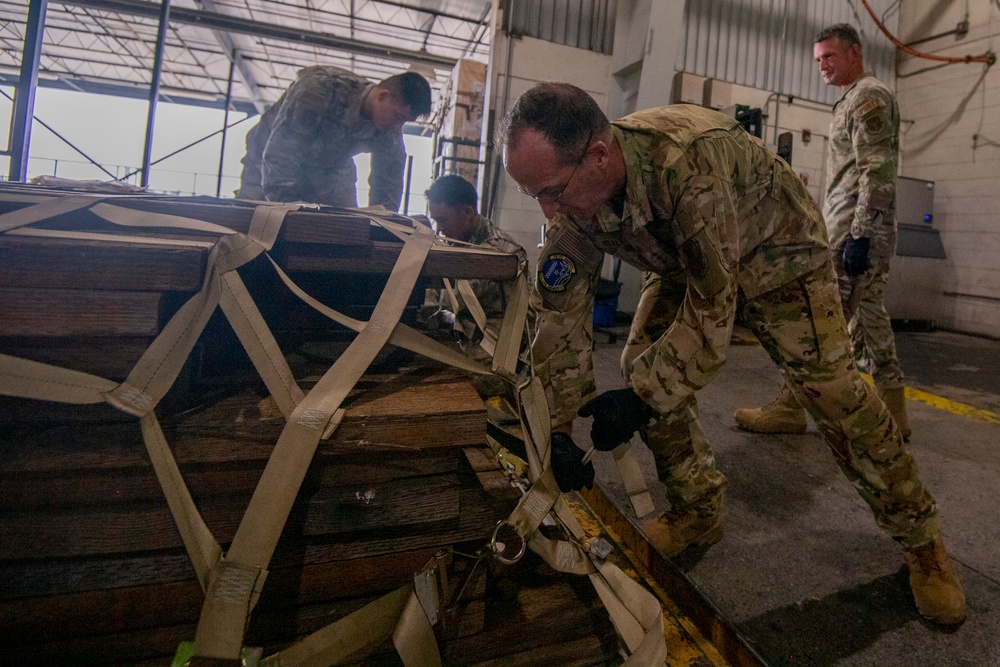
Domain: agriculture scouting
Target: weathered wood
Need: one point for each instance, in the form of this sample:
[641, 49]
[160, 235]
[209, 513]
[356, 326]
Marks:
[92, 569]
[62, 575]
[108, 357]
[129, 484]
[549, 624]
[334, 226]
[328, 511]
[548, 615]
[66, 312]
[381, 256]
[94, 612]
[586, 651]
[53, 263]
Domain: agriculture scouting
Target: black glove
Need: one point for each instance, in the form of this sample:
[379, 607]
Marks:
[617, 415]
[567, 464]
[856, 259]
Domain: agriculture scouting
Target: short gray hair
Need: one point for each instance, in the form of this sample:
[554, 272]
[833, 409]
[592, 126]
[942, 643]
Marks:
[564, 114]
[842, 31]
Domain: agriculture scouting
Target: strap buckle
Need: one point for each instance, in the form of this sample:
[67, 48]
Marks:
[507, 545]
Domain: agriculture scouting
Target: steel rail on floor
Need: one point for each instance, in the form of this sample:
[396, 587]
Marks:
[674, 586]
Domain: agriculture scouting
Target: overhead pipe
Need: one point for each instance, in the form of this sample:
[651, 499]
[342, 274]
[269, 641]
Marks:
[987, 58]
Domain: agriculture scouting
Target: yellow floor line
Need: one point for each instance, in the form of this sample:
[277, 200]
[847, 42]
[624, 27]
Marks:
[954, 407]
[933, 400]
[948, 405]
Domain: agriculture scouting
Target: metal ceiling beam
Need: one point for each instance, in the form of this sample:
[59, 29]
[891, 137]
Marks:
[236, 58]
[243, 26]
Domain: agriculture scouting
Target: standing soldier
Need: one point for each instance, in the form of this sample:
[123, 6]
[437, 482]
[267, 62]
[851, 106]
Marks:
[860, 213]
[721, 225]
[303, 148]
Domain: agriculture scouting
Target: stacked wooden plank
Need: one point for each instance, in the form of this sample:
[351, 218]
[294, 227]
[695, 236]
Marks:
[54, 288]
[92, 567]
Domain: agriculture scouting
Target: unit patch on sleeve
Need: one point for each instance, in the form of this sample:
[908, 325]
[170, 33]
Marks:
[556, 272]
[867, 107]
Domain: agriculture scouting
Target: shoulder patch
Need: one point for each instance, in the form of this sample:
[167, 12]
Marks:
[556, 272]
[867, 107]
[875, 124]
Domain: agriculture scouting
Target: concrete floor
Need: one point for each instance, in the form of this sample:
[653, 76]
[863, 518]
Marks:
[803, 571]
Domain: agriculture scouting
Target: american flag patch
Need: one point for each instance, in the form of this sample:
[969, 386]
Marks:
[577, 246]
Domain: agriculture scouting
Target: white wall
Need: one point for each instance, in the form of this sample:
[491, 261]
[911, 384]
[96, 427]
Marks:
[647, 36]
[532, 61]
[951, 135]
[791, 115]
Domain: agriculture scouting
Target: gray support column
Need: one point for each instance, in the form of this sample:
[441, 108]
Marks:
[154, 89]
[24, 92]
[225, 124]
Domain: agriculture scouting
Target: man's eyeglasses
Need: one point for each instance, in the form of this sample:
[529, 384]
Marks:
[554, 194]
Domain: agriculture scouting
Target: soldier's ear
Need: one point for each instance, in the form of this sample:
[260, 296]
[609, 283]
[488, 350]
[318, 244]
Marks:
[600, 151]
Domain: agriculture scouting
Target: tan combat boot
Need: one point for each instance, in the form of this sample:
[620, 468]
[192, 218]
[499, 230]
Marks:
[782, 415]
[895, 400]
[936, 588]
[671, 533]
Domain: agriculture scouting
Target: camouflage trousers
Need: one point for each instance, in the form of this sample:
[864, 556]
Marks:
[684, 460]
[869, 325]
[802, 328]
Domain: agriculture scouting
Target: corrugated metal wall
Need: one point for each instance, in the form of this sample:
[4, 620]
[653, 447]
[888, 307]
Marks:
[767, 44]
[585, 24]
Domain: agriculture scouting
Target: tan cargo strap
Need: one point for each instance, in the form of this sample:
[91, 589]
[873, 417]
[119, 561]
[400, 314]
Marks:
[453, 301]
[633, 480]
[33, 379]
[46, 209]
[634, 611]
[233, 582]
[263, 349]
[228, 580]
[223, 617]
[512, 329]
[488, 341]
[201, 546]
[397, 614]
[403, 336]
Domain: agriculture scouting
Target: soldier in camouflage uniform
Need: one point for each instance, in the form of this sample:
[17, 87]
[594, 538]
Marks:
[303, 148]
[452, 203]
[722, 226]
[860, 213]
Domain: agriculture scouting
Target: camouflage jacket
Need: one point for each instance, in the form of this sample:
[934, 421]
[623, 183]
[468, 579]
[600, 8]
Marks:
[303, 148]
[706, 205]
[864, 155]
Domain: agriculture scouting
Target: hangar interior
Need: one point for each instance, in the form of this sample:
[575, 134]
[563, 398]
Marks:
[802, 576]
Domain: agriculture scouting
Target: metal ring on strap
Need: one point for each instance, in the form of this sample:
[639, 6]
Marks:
[499, 546]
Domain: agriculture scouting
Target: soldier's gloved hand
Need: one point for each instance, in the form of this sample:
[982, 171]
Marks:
[856, 255]
[617, 415]
[571, 473]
